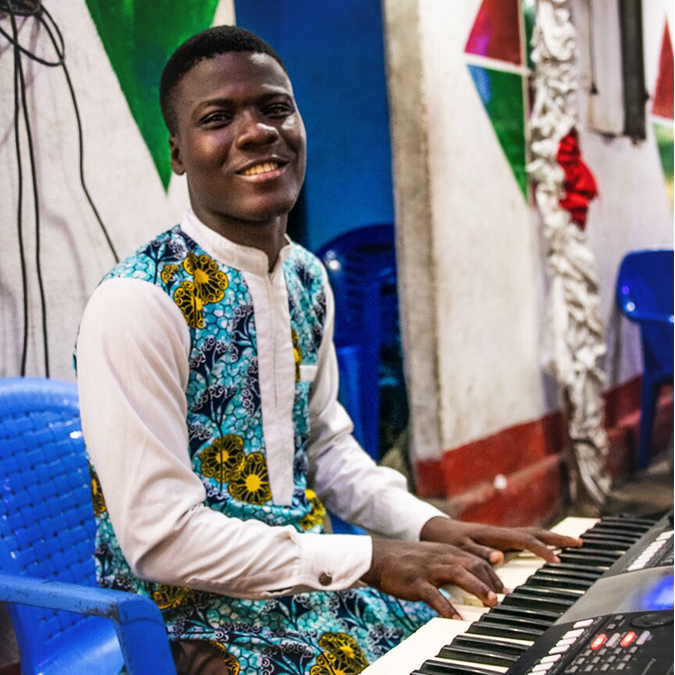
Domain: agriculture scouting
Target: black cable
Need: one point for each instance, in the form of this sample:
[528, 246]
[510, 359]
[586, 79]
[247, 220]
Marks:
[36, 199]
[39, 11]
[80, 134]
[15, 39]
[591, 55]
[19, 217]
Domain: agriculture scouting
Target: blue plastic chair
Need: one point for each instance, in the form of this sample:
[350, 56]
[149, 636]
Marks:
[64, 623]
[644, 293]
[361, 268]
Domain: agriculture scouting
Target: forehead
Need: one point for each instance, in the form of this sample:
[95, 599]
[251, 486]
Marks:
[235, 76]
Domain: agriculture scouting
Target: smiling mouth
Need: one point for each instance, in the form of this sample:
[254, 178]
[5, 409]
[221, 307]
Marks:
[260, 169]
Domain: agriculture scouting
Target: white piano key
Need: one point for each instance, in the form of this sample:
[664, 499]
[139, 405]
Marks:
[425, 643]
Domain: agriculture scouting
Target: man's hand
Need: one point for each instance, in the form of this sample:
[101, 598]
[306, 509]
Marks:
[416, 570]
[488, 542]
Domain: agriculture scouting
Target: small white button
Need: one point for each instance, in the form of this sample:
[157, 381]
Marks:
[643, 638]
[552, 658]
[542, 667]
[614, 639]
[558, 649]
[573, 633]
[584, 623]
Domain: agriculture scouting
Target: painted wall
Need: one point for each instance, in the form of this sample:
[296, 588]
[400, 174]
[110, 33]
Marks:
[120, 165]
[486, 270]
[334, 53]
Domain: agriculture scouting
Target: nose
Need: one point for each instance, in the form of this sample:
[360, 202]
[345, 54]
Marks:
[253, 130]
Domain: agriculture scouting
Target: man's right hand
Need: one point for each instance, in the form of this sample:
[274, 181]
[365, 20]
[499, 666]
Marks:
[416, 570]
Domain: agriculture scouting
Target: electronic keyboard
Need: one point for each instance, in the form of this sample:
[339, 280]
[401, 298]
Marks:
[606, 608]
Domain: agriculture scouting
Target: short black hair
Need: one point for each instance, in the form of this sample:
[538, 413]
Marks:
[205, 45]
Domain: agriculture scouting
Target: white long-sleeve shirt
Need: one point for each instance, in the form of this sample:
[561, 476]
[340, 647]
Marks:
[133, 367]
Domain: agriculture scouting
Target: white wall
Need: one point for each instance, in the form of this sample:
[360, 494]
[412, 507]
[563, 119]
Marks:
[120, 175]
[490, 285]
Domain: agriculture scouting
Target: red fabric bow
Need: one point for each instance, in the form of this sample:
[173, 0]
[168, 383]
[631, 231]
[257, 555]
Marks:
[580, 185]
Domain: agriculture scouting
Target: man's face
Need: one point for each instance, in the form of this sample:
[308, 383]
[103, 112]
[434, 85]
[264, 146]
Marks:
[240, 138]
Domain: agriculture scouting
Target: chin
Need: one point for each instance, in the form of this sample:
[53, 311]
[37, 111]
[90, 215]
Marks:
[265, 212]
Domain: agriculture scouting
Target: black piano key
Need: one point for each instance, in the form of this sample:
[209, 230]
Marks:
[538, 617]
[592, 550]
[500, 629]
[437, 667]
[600, 540]
[538, 580]
[612, 547]
[587, 559]
[510, 621]
[487, 654]
[549, 593]
[626, 542]
[643, 523]
[503, 646]
[521, 599]
[582, 571]
[618, 532]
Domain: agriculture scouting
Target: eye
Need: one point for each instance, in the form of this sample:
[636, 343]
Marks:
[216, 119]
[278, 110]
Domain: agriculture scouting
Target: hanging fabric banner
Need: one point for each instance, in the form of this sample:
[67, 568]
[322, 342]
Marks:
[564, 186]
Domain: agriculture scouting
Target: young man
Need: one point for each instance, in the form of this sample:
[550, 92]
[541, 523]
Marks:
[221, 436]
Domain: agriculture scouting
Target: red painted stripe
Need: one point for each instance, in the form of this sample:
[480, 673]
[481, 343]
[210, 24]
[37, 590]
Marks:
[465, 475]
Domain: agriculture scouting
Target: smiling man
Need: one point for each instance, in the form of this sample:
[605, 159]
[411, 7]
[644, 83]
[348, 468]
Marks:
[208, 389]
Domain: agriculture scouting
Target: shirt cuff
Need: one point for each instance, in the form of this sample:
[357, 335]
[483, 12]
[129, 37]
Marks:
[417, 515]
[333, 562]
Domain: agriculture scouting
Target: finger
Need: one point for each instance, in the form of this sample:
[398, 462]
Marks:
[456, 574]
[521, 540]
[492, 555]
[479, 568]
[531, 543]
[438, 602]
[557, 540]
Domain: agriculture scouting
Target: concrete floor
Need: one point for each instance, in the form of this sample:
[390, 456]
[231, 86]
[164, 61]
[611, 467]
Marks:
[650, 491]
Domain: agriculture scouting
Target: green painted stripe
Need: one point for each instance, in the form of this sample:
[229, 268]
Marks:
[502, 95]
[139, 36]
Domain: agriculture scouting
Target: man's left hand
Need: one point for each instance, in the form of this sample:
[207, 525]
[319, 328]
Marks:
[489, 542]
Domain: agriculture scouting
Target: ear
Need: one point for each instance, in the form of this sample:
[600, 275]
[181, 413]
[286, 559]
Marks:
[176, 161]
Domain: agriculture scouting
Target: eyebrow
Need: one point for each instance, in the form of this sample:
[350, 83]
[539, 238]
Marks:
[225, 102]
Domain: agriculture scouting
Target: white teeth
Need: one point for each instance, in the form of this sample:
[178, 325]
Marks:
[261, 168]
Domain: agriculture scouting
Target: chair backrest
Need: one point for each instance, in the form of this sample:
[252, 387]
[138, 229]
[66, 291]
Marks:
[644, 293]
[645, 282]
[361, 267]
[47, 525]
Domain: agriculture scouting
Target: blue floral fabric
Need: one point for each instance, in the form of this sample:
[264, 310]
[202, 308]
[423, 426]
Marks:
[320, 633]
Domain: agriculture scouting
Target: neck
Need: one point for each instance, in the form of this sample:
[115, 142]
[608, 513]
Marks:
[268, 236]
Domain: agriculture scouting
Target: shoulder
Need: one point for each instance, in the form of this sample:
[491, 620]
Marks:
[307, 266]
[148, 261]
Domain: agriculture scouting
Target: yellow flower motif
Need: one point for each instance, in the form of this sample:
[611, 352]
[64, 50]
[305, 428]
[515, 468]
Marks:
[225, 459]
[166, 596]
[190, 304]
[97, 498]
[317, 514]
[171, 596]
[297, 354]
[341, 656]
[252, 485]
[230, 660]
[210, 283]
[168, 273]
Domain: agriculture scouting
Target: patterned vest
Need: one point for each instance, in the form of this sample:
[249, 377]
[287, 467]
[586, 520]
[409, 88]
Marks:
[224, 419]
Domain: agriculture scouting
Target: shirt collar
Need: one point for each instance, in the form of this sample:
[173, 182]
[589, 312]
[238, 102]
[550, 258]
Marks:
[245, 258]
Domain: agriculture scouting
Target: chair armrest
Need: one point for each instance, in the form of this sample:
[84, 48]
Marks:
[138, 621]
